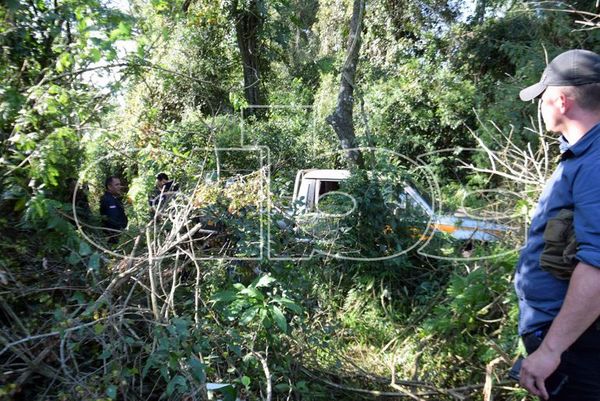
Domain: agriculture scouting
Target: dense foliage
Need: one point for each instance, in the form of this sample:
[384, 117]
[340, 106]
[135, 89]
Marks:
[223, 282]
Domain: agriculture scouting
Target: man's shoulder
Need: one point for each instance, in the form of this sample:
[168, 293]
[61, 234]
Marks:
[171, 186]
[107, 198]
[591, 161]
[591, 154]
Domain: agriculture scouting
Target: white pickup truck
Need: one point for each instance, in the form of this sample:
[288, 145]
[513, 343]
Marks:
[313, 185]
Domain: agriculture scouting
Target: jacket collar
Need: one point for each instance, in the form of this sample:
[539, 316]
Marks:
[581, 146]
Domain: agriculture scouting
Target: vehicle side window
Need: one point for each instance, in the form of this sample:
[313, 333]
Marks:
[328, 186]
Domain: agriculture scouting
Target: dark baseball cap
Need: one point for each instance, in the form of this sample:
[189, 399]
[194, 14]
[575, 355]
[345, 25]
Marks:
[571, 68]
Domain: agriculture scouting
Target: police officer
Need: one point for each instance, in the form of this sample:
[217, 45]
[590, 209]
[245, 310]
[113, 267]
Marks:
[163, 191]
[113, 214]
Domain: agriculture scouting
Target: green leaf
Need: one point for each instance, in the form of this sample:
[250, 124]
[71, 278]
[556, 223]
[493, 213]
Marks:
[64, 99]
[64, 62]
[84, 248]
[236, 349]
[326, 64]
[98, 328]
[122, 32]
[265, 281]
[197, 369]
[111, 54]
[181, 326]
[224, 296]
[20, 204]
[253, 293]
[147, 366]
[54, 221]
[54, 89]
[282, 387]
[95, 55]
[249, 314]
[229, 393]
[245, 381]
[107, 353]
[178, 380]
[78, 296]
[111, 391]
[94, 262]
[279, 318]
[59, 314]
[73, 258]
[289, 304]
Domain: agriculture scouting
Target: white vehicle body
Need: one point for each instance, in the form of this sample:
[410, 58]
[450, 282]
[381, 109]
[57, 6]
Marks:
[311, 185]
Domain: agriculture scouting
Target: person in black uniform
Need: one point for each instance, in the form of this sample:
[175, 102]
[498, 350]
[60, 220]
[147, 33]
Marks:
[164, 190]
[113, 214]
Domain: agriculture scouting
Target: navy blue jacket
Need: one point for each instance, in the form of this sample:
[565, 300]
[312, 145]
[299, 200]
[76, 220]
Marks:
[113, 212]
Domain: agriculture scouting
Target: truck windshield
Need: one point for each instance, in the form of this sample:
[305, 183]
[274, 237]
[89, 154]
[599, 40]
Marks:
[421, 192]
[328, 186]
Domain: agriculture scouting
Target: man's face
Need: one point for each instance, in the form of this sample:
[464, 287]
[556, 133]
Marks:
[115, 187]
[551, 110]
[160, 183]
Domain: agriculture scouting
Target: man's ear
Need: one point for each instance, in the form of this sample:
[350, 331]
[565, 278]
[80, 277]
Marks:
[564, 102]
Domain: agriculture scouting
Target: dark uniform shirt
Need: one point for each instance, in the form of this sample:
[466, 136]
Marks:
[113, 212]
[160, 197]
[575, 185]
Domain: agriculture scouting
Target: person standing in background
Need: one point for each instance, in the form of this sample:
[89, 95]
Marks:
[112, 211]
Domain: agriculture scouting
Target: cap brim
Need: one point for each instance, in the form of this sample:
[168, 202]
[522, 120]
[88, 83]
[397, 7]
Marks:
[532, 92]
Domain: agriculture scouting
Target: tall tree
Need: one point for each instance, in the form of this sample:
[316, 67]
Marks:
[341, 120]
[248, 25]
[46, 107]
[248, 20]
[46, 47]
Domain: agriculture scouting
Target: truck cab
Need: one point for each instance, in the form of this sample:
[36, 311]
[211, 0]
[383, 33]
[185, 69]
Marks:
[312, 185]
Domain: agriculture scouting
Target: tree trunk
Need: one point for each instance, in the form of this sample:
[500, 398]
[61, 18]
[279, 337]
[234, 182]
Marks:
[341, 120]
[247, 26]
[479, 15]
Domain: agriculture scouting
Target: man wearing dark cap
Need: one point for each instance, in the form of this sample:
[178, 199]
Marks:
[558, 318]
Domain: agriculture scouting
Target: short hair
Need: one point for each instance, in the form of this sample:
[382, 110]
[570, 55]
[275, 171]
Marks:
[109, 180]
[586, 96]
[162, 176]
